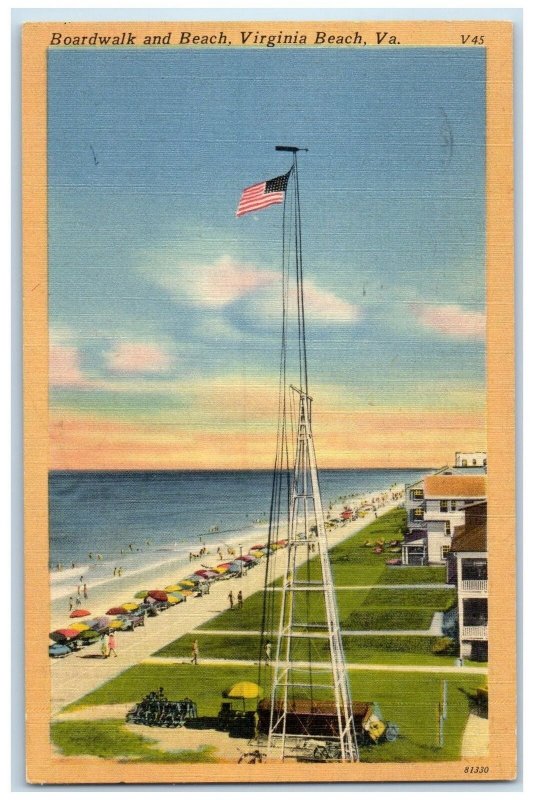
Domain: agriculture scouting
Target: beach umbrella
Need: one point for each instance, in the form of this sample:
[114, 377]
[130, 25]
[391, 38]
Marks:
[187, 593]
[220, 569]
[257, 547]
[141, 594]
[178, 596]
[158, 595]
[131, 606]
[79, 612]
[115, 625]
[206, 573]
[64, 634]
[89, 634]
[258, 553]
[174, 587]
[243, 690]
[173, 600]
[186, 582]
[80, 626]
[113, 612]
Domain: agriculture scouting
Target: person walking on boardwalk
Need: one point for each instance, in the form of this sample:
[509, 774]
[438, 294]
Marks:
[104, 649]
[112, 644]
[231, 600]
[240, 600]
[194, 652]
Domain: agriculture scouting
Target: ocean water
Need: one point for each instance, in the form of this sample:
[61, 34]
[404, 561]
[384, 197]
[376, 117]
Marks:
[138, 518]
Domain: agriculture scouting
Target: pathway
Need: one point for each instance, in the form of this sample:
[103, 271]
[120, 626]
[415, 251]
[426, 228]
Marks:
[475, 742]
[450, 670]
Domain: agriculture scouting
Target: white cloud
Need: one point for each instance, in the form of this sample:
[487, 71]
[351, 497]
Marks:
[138, 358]
[214, 285]
[451, 320]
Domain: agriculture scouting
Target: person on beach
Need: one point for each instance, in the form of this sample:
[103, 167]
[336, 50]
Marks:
[231, 600]
[240, 600]
[91, 556]
[104, 649]
[119, 572]
[85, 595]
[78, 589]
[71, 603]
[194, 652]
[78, 601]
[112, 644]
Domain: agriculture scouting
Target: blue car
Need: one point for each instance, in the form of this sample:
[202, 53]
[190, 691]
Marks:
[59, 650]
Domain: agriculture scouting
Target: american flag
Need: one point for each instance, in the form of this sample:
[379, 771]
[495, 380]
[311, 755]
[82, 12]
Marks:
[263, 194]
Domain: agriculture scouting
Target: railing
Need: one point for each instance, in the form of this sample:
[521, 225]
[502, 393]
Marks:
[475, 586]
[477, 632]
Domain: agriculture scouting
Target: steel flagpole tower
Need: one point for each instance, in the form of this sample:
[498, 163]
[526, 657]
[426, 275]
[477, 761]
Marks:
[304, 685]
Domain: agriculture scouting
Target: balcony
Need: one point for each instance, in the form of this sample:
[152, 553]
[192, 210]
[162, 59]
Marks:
[475, 632]
[474, 587]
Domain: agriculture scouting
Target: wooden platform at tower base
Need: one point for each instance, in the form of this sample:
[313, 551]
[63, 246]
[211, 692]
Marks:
[311, 718]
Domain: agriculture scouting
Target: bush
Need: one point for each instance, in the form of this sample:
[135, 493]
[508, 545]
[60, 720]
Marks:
[444, 647]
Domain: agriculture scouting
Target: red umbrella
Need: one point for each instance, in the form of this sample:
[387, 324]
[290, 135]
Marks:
[64, 633]
[116, 610]
[157, 594]
[206, 573]
[79, 612]
[257, 547]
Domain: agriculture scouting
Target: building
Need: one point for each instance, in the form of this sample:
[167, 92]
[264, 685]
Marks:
[435, 507]
[475, 459]
[468, 568]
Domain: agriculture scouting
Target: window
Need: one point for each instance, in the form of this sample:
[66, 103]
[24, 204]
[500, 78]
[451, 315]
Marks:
[416, 494]
[445, 549]
[417, 513]
[474, 462]
[443, 505]
[447, 528]
[464, 462]
[453, 505]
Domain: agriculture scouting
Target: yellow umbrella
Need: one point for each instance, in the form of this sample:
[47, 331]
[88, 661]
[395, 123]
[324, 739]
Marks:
[220, 569]
[80, 626]
[187, 583]
[172, 600]
[244, 690]
[257, 553]
[116, 624]
[175, 587]
[130, 606]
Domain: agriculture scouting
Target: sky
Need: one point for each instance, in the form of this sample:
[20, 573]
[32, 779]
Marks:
[165, 310]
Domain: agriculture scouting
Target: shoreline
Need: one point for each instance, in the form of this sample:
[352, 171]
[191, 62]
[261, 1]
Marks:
[72, 679]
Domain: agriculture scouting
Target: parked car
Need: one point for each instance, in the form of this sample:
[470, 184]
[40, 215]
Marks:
[59, 650]
[131, 621]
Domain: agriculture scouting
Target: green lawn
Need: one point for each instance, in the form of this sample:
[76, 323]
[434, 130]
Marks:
[110, 739]
[408, 699]
[358, 649]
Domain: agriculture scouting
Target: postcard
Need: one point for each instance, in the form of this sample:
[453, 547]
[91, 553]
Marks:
[269, 402]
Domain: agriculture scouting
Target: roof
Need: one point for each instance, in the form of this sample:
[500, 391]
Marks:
[455, 486]
[472, 537]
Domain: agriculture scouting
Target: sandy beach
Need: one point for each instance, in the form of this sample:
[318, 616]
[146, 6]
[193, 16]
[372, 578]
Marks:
[80, 673]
